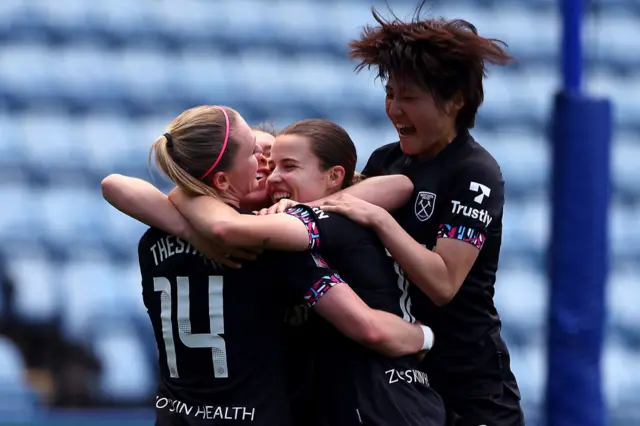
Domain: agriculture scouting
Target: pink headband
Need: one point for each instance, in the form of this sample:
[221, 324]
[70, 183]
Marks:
[224, 144]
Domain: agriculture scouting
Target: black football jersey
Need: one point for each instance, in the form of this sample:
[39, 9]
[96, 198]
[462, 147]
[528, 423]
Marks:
[358, 385]
[459, 194]
[219, 330]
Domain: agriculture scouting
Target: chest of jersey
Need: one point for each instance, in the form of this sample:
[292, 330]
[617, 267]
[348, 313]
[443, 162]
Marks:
[420, 215]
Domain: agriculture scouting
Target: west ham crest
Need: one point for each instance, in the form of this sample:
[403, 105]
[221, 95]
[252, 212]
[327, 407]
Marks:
[425, 203]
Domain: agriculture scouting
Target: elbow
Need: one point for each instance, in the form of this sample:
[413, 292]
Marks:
[406, 188]
[109, 186]
[440, 295]
[370, 336]
[441, 299]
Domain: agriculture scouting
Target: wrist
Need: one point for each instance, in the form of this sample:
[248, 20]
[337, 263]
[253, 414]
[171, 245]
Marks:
[428, 338]
[380, 219]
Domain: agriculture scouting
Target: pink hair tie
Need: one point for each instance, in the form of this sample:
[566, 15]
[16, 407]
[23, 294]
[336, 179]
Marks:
[224, 144]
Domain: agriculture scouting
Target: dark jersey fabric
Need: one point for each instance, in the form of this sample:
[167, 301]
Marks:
[357, 385]
[459, 194]
[219, 331]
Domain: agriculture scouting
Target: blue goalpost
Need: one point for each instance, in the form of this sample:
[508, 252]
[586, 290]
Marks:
[581, 131]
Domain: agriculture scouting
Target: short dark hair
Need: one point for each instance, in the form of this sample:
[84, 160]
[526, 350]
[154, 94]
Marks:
[443, 57]
[330, 143]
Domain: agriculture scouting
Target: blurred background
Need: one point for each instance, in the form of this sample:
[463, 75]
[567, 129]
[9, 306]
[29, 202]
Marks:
[86, 86]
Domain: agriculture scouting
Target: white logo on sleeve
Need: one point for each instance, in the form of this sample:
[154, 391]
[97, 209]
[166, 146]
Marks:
[476, 187]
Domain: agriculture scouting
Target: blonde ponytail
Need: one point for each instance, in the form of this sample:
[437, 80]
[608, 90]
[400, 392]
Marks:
[164, 161]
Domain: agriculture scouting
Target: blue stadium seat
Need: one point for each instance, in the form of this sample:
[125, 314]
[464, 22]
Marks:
[37, 290]
[621, 376]
[623, 294]
[529, 366]
[127, 376]
[624, 166]
[624, 230]
[521, 298]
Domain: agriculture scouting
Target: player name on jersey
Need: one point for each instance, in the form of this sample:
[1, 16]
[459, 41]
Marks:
[169, 246]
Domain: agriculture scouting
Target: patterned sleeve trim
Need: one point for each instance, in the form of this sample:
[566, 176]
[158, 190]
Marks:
[462, 233]
[321, 287]
[308, 218]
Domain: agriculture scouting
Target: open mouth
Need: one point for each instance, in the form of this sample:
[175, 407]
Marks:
[405, 130]
[279, 195]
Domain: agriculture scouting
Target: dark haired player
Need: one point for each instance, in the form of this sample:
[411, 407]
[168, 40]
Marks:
[446, 240]
[379, 390]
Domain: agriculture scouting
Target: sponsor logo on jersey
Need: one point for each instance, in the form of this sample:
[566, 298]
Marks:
[485, 191]
[425, 204]
[407, 376]
[482, 215]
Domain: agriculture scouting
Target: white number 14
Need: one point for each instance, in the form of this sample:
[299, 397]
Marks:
[213, 340]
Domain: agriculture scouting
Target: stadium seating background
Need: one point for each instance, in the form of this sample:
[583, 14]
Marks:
[85, 87]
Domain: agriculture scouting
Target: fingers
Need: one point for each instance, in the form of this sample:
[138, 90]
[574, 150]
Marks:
[226, 262]
[241, 254]
[285, 204]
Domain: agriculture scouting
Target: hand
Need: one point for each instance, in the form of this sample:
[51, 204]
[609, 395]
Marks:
[278, 207]
[360, 211]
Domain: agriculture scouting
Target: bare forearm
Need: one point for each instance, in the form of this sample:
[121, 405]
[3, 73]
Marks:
[388, 192]
[144, 202]
[226, 226]
[397, 337]
[425, 268]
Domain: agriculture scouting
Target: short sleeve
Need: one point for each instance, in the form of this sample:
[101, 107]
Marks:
[308, 277]
[475, 200]
[327, 231]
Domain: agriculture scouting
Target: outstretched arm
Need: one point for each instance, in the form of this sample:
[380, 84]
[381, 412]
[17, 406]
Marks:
[389, 192]
[144, 202]
[224, 224]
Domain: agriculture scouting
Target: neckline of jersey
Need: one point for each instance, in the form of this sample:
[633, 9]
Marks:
[462, 137]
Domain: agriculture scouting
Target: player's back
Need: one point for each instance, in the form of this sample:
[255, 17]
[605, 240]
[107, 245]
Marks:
[218, 333]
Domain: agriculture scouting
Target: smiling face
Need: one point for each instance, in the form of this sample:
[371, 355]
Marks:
[421, 123]
[240, 179]
[259, 198]
[297, 174]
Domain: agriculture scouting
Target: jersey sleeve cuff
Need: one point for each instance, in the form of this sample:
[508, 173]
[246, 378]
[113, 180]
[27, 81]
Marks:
[462, 233]
[306, 215]
[321, 287]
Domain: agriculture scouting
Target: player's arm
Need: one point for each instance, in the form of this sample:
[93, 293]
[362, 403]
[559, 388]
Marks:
[336, 302]
[144, 202]
[389, 192]
[225, 225]
[441, 272]
[381, 331]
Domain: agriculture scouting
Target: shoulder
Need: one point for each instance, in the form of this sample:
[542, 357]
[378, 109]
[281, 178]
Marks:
[387, 149]
[475, 161]
[149, 238]
[381, 158]
[333, 229]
